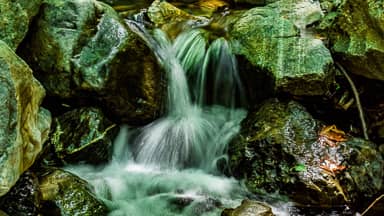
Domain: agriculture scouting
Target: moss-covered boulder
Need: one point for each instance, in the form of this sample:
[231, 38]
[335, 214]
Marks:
[275, 44]
[249, 208]
[15, 17]
[83, 49]
[355, 30]
[281, 147]
[24, 126]
[83, 135]
[65, 194]
[23, 198]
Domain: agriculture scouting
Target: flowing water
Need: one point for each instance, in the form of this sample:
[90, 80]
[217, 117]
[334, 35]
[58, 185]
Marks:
[170, 167]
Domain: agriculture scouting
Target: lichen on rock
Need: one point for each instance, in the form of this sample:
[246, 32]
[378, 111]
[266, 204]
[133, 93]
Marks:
[15, 17]
[274, 40]
[24, 125]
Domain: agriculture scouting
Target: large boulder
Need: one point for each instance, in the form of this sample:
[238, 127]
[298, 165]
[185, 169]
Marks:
[63, 193]
[24, 126]
[355, 30]
[273, 42]
[15, 17]
[83, 49]
[281, 147]
[83, 135]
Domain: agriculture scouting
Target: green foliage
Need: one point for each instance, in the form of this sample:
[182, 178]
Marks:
[299, 168]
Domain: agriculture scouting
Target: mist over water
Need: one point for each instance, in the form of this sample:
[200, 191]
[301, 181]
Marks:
[170, 166]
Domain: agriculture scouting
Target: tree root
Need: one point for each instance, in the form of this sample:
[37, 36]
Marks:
[372, 204]
[357, 98]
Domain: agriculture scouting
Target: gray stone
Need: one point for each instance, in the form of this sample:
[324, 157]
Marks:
[24, 126]
[83, 49]
[273, 39]
[15, 17]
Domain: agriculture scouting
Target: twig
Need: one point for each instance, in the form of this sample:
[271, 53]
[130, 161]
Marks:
[357, 98]
[372, 204]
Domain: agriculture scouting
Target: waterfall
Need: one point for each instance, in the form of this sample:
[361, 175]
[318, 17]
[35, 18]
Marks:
[169, 167]
[190, 134]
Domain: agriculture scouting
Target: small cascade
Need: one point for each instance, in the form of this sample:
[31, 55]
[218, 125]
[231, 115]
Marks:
[227, 89]
[190, 134]
[211, 69]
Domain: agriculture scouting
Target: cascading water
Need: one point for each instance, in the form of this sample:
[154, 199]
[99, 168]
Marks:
[168, 166]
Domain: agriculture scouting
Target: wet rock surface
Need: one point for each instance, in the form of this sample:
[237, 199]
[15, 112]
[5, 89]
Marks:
[172, 19]
[274, 42]
[282, 148]
[83, 135]
[23, 198]
[355, 30]
[15, 17]
[24, 126]
[249, 208]
[83, 49]
[63, 193]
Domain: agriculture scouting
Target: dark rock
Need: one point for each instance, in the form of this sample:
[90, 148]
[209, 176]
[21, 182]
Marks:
[24, 197]
[190, 205]
[275, 42]
[279, 149]
[83, 49]
[249, 208]
[254, 2]
[355, 30]
[83, 135]
[65, 194]
[15, 17]
[24, 126]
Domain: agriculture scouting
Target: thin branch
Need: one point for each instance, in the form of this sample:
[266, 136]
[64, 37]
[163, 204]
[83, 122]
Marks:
[372, 204]
[357, 98]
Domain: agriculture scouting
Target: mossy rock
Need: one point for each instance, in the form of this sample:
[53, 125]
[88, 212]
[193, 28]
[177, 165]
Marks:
[84, 50]
[83, 135]
[355, 30]
[15, 17]
[279, 149]
[65, 194]
[274, 44]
